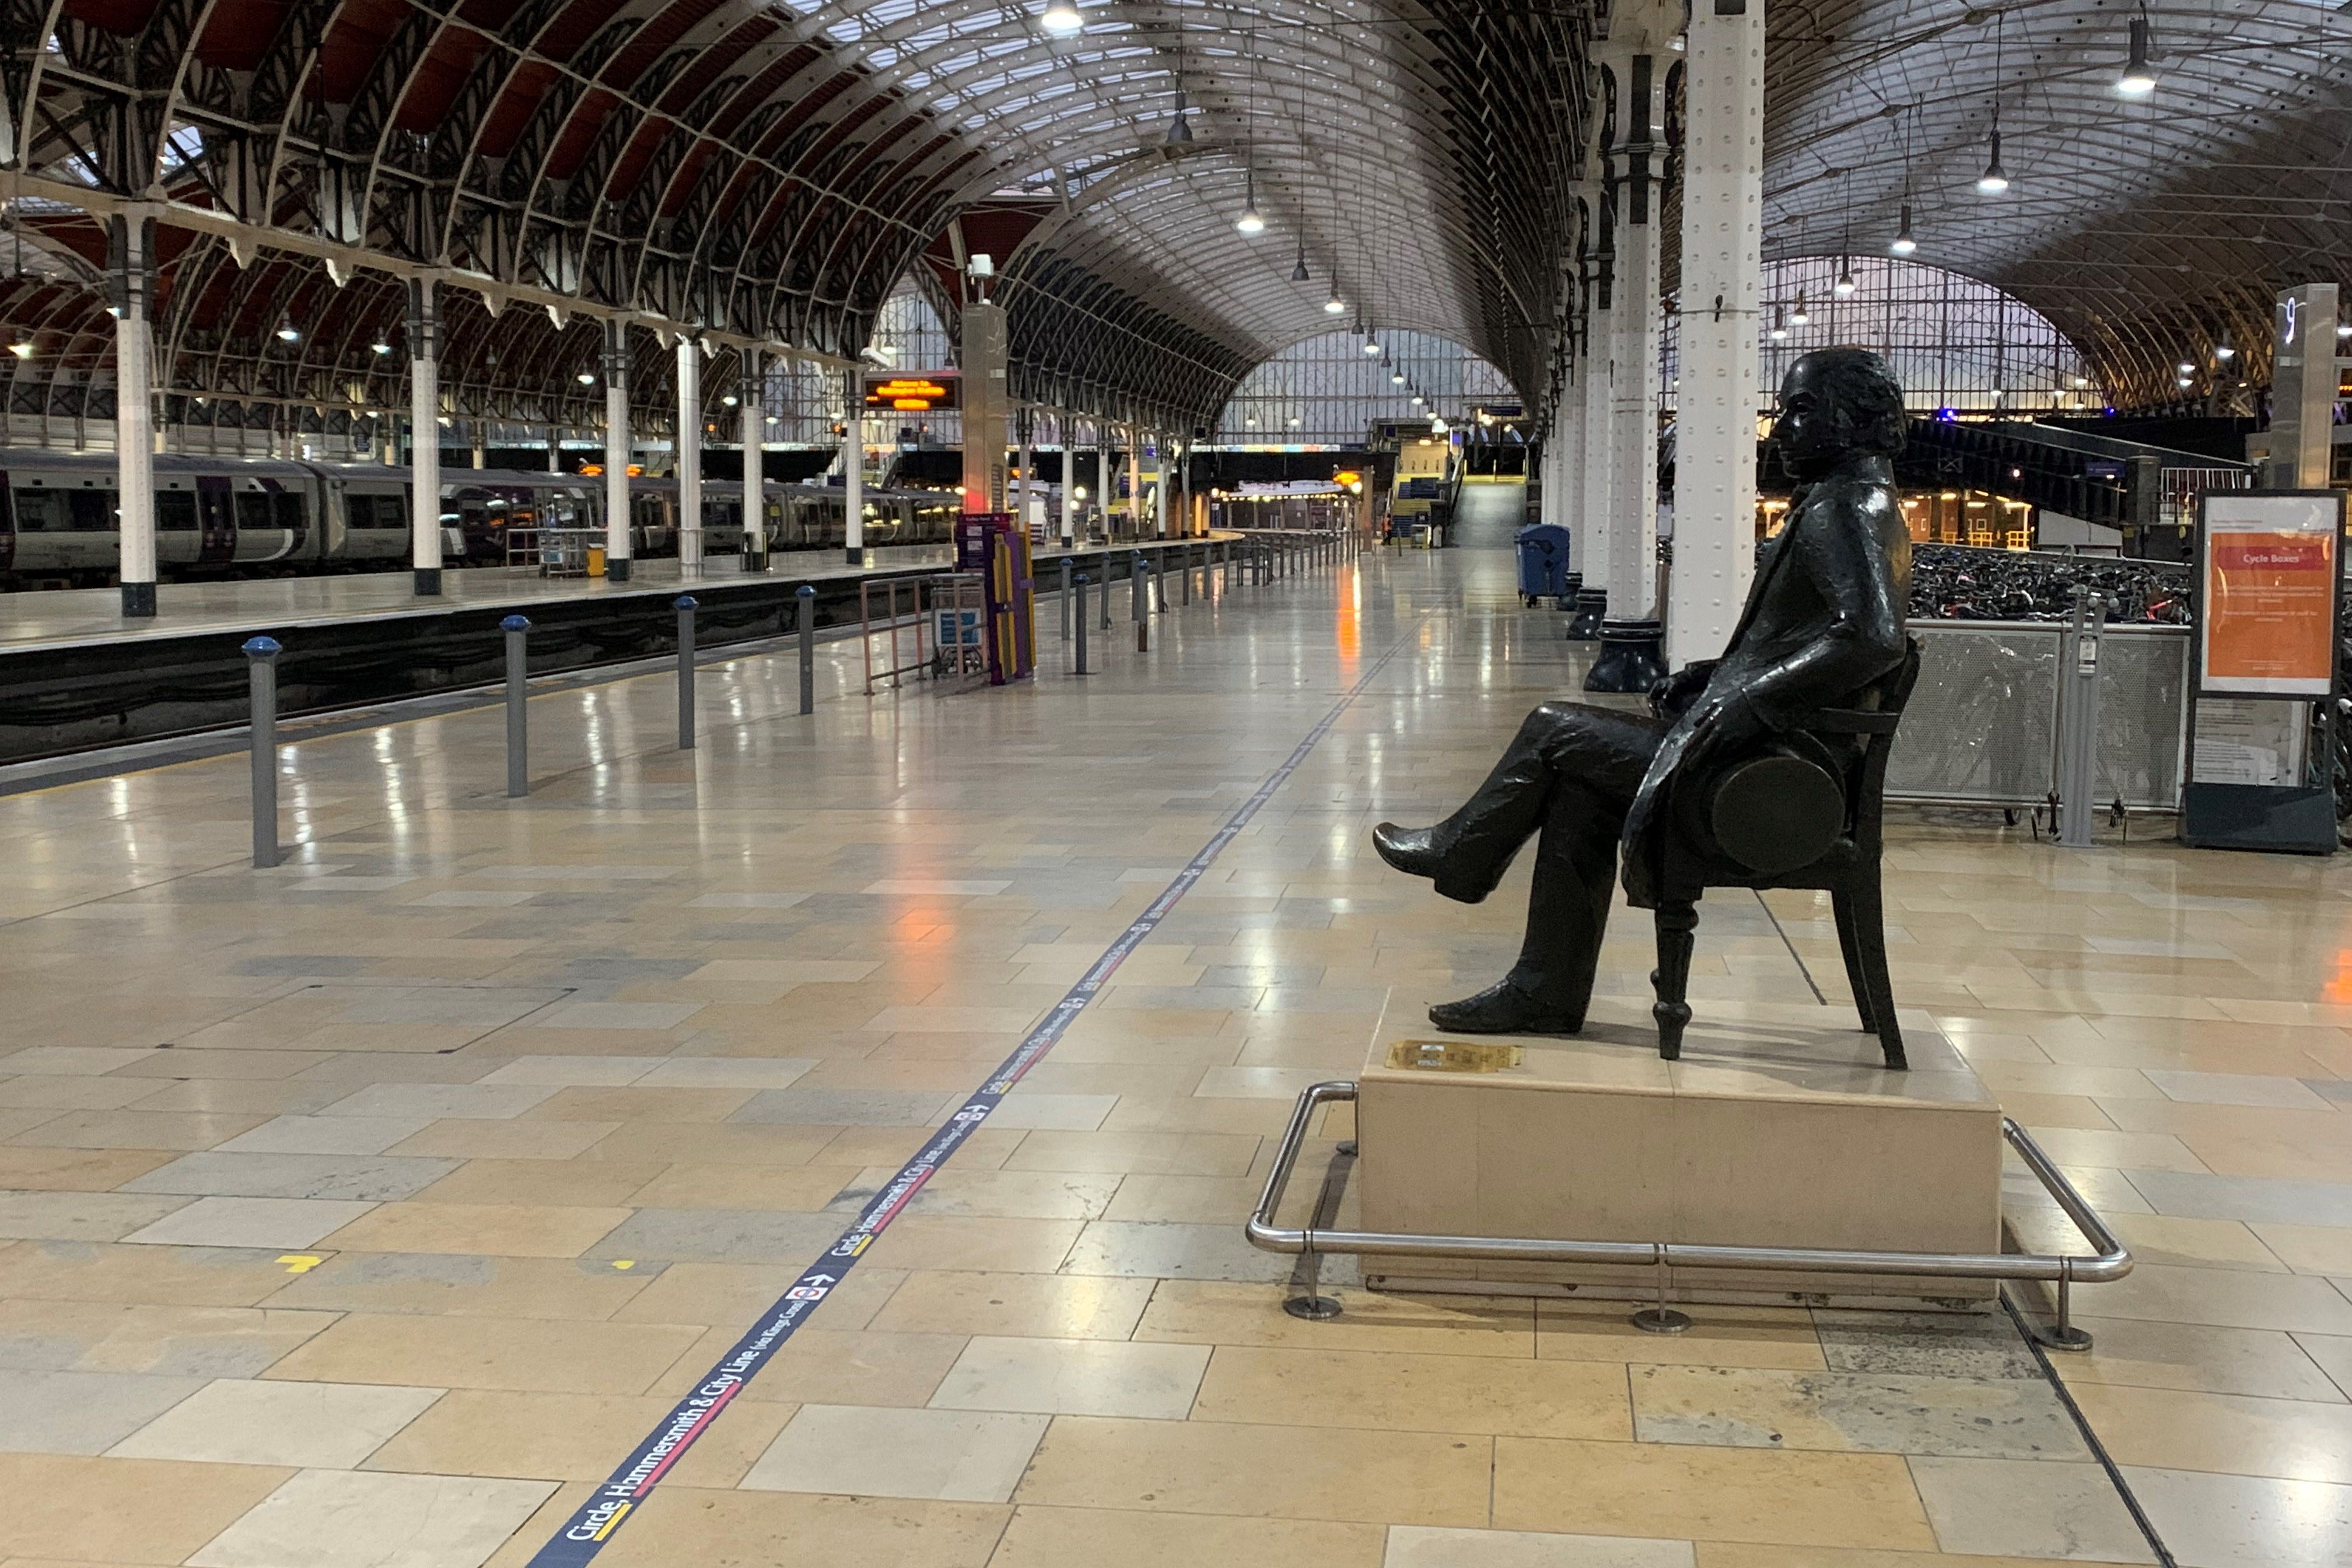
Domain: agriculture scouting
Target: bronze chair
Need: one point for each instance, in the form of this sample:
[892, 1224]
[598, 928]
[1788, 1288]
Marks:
[1804, 813]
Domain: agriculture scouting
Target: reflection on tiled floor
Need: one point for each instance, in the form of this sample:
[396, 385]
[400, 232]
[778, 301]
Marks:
[379, 1203]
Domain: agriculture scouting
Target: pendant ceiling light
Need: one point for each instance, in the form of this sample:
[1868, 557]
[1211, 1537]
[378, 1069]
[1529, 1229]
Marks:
[1371, 343]
[1335, 306]
[2225, 349]
[1397, 376]
[2138, 78]
[1179, 132]
[1779, 324]
[1904, 244]
[1298, 273]
[1060, 18]
[1799, 316]
[287, 332]
[1844, 287]
[1249, 223]
[1995, 179]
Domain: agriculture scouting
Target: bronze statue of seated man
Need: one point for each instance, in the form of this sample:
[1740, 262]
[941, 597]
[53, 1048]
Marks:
[1822, 624]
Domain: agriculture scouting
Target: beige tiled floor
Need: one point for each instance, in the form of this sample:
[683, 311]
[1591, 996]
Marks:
[401, 1189]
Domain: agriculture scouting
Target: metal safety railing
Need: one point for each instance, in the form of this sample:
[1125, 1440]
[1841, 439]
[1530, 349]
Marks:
[2109, 1261]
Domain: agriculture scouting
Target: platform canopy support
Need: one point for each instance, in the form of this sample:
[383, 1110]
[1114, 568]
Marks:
[1722, 307]
[425, 435]
[131, 278]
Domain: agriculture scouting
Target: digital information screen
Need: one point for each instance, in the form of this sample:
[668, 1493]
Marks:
[913, 393]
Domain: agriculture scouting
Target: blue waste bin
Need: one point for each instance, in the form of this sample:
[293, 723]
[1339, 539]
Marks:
[1543, 562]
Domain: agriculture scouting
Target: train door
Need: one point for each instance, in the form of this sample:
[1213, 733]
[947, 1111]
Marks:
[7, 525]
[216, 520]
[175, 526]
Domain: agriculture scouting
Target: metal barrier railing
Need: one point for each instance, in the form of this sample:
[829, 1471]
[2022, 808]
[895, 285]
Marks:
[1982, 725]
[2111, 1260]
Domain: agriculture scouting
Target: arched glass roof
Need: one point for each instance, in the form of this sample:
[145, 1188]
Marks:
[765, 171]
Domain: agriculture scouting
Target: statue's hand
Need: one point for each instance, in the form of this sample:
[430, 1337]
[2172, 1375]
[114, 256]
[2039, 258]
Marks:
[1670, 698]
[1722, 725]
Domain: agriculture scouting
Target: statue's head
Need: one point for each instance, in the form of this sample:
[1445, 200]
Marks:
[1836, 403]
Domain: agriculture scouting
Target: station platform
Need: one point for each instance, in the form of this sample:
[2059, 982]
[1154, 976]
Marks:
[74, 617]
[404, 1194]
[75, 673]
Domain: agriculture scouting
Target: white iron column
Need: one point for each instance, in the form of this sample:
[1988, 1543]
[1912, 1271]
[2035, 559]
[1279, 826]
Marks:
[1028, 486]
[986, 402]
[1159, 496]
[1722, 301]
[1103, 473]
[689, 458]
[425, 435]
[616, 450]
[1069, 476]
[1135, 481]
[132, 241]
[751, 402]
[853, 466]
[1633, 341]
[1595, 522]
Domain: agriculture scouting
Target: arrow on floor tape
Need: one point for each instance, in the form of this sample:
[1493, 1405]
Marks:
[624, 1491]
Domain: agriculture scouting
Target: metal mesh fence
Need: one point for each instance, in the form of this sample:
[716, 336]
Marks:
[1982, 724]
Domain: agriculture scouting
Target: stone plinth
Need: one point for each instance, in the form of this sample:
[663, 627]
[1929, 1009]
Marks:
[1767, 1132]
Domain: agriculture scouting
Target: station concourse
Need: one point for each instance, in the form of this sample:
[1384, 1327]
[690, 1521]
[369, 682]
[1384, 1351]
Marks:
[693, 704]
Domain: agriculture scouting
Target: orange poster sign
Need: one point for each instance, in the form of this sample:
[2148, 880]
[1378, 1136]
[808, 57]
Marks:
[2267, 618]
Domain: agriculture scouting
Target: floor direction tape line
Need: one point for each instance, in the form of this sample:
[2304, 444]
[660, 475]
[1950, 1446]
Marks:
[592, 1524]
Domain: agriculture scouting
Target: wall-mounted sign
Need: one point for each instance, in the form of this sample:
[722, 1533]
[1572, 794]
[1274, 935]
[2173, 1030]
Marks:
[914, 394]
[2266, 612]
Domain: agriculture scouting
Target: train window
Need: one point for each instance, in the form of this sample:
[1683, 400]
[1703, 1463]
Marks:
[253, 510]
[292, 515]
[378, 512]
[93, 510]
[175, 511]
[42, 512]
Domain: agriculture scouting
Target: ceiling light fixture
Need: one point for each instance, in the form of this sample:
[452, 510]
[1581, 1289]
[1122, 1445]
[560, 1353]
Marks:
[1844, 287]
[1060, 18]
[1779, 324]
[1995, 179]
[1298, 273]
[2186, 368]
[22, 348]
[1371, 343]
[380, 346]
[586, 379]
[1249, 223]
[2225, 349]
[1397, 377]
[1180, 133]
[287, 331]
[1800, 316]
[2138, 78]
[1904, 244]
[1335, 306]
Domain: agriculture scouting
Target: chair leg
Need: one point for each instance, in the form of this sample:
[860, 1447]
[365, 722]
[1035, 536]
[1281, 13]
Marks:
[1854, 979]
[1870, 950]
[1676, 920]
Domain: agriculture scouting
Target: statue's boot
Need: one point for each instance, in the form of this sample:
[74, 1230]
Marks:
[1548, 991]
[1466, 854]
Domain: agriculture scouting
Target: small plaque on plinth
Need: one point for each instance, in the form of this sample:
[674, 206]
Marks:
[1454, 1056]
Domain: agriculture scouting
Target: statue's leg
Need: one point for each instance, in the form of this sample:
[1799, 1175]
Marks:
[1466, 854]
[1595, 759]
[1568, 903]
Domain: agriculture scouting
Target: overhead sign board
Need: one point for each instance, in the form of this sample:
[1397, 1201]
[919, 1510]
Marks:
[2267, 621]
[914, 394]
